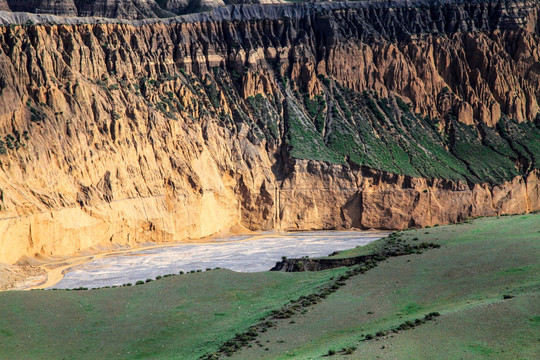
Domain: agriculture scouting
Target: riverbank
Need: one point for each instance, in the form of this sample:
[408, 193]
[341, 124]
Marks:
[41, 273]
[241, 252]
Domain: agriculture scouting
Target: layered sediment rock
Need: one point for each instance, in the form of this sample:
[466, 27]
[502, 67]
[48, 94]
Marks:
[122, 133]
[319, 195]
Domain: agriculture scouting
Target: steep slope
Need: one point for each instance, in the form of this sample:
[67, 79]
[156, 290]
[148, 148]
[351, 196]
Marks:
[310, 116]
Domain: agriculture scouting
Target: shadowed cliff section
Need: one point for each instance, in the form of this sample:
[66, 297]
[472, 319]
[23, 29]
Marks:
[119, 9]
[310, 116]
[391, 19]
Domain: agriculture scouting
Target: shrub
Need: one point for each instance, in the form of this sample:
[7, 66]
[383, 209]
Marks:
[140, 282]
[402, 105]
[331, 352]
[348, 350]
[252, 332]
[36, 114]
[431, 315]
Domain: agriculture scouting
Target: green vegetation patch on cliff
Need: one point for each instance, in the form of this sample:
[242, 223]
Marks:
[383, 133]
[306, 142]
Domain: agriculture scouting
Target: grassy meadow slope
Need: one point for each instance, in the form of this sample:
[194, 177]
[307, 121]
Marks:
[465, 281]
[178, 317]
[187, 316]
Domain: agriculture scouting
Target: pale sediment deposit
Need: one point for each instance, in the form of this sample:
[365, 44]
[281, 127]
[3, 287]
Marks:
[241, 253]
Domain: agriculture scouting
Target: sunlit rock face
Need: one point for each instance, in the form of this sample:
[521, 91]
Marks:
[310, 116]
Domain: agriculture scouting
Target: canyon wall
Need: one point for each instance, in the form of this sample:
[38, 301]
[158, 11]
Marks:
[318, 195]
[265, 117]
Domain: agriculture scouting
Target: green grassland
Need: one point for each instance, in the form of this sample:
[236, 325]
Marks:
[178, 317]
[464, 280]
[187, 316]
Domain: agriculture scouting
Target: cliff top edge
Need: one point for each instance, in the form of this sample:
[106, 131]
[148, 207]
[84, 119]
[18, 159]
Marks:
[246, 12]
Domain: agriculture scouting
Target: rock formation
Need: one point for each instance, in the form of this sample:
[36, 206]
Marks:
[63, 7]
[120, 9]
[291, 117]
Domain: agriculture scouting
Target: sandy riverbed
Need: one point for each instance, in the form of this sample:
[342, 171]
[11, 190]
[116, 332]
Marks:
[246, 253]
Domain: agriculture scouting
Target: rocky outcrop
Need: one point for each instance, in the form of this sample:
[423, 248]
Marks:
[128, 132]
[369, 261]
[18, 274]
[306, 264]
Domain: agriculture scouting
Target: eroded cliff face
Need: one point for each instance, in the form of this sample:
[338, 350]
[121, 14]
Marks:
[126, 133]
[119, 9]
[319, 195]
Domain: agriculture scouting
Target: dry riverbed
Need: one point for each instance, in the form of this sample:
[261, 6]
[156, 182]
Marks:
[244, 253]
